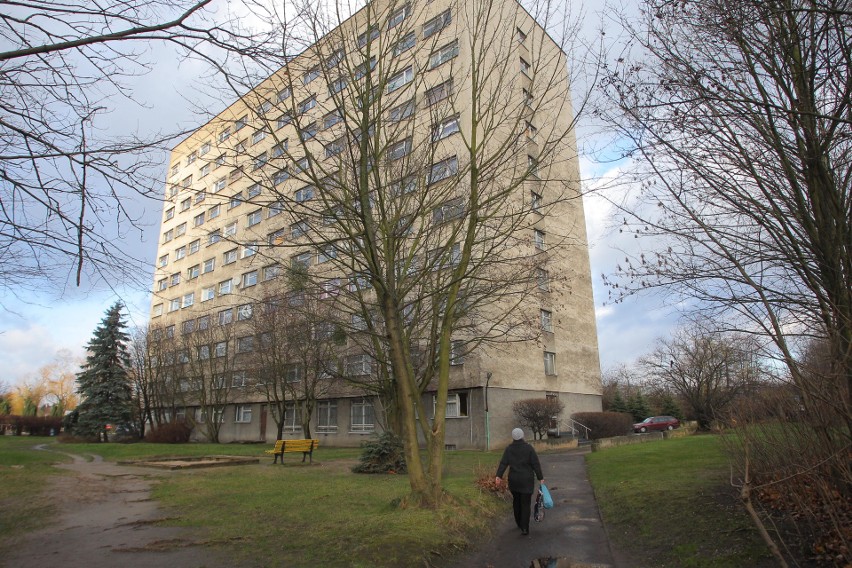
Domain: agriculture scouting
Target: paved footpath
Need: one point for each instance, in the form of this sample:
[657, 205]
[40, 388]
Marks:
[571, 535]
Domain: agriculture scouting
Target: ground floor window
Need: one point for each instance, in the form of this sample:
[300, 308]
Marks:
[363, 417]
[327, 416]
[457, 406]
[292, 418]
[243, 414]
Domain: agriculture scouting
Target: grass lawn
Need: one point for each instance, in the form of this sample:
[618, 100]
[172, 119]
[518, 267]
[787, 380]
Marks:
[670, 503]
[291, 515]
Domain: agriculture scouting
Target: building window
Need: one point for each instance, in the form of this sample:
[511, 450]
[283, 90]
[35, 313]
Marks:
[358, 365]
[193, 271]
[240, 123]
[326, 416]
[220, 349]
[437, 23]
[311, 75]
[362, 417]
[229, 257]
[188, 299]
[457, 405]
[249, 249]
[214, 237]
[213, 212]
[292, 417]
[224, 135]
[538, 239]
[307, 104]
[520, 35]
[452, 209]
[446, 127]
[208, 293]
[243, 414]
[400, 79]
[364, 68]
[195, 246]
[439, 92]
[245, 344]
[535, 201]
[526, 69]
[180, 252]
[298, 229]
[283, 120]
[401, 112]
[329, 288]
[162, 284]
[188, 326]
[254, 218]
[370, 34]
[301, 261]
[543, 278]
[231, 229]
[226, 317]
[334, 58]
[198, 220]
[308, 131]
[332, 118]
[205, 171]
[175, 279]
[532, 164]
[336, 86]
[163, 261]
[170, 213]
[456, 352]
[199, 197]
[442, 170]
[277, 237]
[528, 97]
[547, 321]
[191, 158]
[260, 161]
[399, 149]
[446, 53]
[225, 287]
[220, 160]
[258, 135]
[549, 363]
[208, 265]
[249, 279]
[244, 312]
[293, 373]
[398, 16]
[326, 253]
[281, 176]
[271, 272]
[168, 235]
[405, 43]
[335, 147]
[157, 310]
[203, 322]
[304, 194]
[253, 191]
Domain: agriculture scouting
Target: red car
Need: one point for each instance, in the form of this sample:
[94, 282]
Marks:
[657, 423]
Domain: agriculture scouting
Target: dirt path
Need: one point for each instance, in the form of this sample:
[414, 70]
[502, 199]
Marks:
[106, 519]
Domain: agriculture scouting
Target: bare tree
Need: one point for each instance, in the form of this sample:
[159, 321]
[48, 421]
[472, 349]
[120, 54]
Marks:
[299, 342]
[418, 202]
[737, 116]
[707, 369]
[538, 414]
[65, 179]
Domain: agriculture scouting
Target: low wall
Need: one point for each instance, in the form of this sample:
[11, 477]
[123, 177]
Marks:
[604, 443]
[554, 444]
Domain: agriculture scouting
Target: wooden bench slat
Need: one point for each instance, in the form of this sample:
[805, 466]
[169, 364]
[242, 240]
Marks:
[282, 447]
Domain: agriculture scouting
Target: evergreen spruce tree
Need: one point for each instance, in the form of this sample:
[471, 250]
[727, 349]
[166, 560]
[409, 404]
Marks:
[104, 384]
[670, 407]
[638, 407]
[618, 404]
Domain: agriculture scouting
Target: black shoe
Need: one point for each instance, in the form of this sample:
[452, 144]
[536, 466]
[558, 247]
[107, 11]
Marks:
[525, 532]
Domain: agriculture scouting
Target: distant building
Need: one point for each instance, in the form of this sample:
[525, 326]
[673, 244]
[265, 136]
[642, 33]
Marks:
[232, 225]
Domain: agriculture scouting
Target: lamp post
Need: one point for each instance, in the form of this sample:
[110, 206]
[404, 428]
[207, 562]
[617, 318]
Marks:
[487, 424]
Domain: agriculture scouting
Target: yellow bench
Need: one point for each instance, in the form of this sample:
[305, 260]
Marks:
[282, 447]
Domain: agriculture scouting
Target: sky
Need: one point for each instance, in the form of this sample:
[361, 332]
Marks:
[38, 325]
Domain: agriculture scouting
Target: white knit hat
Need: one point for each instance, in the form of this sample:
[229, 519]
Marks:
[517, 434]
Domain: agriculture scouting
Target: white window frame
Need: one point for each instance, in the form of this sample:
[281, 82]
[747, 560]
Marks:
[550, 363]
[242, 414]
[326, 412]
[362, 417]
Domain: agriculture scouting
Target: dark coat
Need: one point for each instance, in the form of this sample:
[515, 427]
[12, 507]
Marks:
[524, 468]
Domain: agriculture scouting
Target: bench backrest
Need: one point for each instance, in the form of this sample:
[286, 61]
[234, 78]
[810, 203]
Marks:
[300, 445]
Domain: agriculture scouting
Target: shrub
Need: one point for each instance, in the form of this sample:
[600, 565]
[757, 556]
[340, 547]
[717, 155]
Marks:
[33, 425]
[605, 424]
[536, 414]
[383, 454]
[176, 432]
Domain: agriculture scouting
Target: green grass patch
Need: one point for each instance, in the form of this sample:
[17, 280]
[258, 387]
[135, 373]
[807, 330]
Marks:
[24, 472]
[273, 515]
[670, 503]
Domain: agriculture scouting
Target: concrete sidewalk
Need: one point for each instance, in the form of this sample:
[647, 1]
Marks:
[571, 535]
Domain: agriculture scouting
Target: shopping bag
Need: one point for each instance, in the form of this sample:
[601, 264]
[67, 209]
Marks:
[546, 498]
[538, 510]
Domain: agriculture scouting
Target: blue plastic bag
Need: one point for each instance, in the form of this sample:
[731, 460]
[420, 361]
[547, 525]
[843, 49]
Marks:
[545, 493]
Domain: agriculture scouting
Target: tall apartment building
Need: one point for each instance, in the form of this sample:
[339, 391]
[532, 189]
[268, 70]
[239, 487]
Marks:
[423, 149]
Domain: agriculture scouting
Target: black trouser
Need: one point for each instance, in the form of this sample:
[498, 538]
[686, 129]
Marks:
[521, 505]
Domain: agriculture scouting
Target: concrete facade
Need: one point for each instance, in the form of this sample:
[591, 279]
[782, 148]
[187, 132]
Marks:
[224, 238]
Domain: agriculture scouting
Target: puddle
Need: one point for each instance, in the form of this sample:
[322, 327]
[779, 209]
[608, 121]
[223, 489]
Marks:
[562, 562]
[191, 462]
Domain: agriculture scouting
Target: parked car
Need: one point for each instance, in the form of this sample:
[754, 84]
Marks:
[657, 423]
